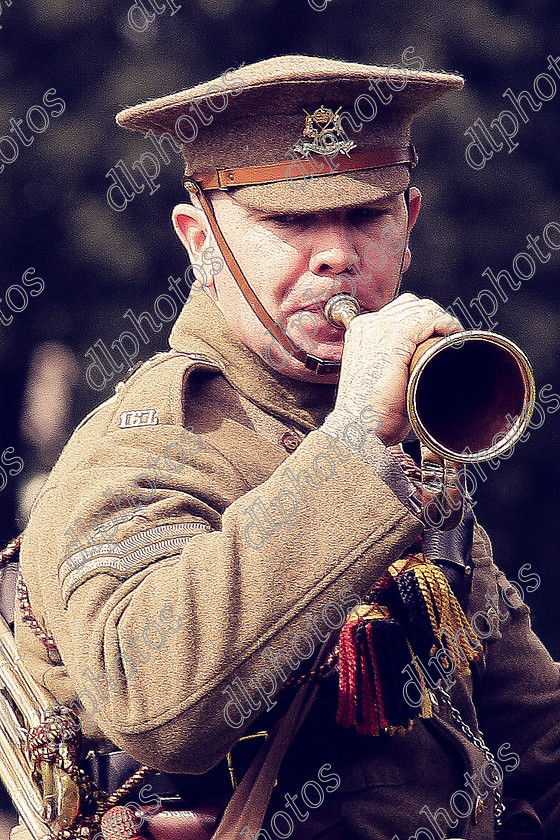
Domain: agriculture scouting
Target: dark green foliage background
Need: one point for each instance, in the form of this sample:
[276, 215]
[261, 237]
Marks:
[97, 263]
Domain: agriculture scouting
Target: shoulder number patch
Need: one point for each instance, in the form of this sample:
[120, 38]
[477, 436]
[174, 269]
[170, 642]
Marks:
[142, 417]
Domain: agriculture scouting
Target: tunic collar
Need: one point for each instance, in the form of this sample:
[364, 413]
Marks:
[201, 328]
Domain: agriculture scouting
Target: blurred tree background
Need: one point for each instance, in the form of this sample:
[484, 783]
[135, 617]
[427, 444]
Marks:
[97, 263]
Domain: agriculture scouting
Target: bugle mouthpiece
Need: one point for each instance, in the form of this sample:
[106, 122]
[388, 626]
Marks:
[341, 309]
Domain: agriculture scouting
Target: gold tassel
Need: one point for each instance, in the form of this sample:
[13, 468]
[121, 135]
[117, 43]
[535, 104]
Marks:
[412, 613]
[447, 618]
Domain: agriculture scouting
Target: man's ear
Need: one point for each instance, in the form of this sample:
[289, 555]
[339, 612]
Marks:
[192, 228]
[414, 204]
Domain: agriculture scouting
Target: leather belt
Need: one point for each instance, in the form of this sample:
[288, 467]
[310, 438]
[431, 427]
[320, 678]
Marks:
[109, 771]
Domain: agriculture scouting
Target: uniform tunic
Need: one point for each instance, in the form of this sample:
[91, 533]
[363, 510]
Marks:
[182, 551]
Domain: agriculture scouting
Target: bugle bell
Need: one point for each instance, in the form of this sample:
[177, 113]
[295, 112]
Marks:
[470, 395]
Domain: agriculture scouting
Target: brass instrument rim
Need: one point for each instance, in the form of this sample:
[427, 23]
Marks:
[517, 429]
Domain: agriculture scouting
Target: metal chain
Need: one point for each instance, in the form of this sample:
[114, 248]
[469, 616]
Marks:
[478, 741]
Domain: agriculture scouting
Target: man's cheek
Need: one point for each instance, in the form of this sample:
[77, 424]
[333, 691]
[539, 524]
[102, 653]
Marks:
[391, 240]
[375, 256]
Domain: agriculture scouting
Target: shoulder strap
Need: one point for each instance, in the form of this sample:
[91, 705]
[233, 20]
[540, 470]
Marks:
[246, 810]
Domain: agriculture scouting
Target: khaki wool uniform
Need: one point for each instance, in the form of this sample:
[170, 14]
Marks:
[165, 553]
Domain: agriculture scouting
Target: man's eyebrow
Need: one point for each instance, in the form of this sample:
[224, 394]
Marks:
[378, 203]
[263, 215]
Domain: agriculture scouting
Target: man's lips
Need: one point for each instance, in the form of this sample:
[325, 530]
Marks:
[315, 308]
[308, 323]
[313, 311]
[314, 317]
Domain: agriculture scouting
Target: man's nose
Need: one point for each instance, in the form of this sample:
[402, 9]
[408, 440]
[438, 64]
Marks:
[333, 250]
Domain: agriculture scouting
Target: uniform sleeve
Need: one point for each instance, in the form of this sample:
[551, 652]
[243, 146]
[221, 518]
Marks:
[519, 705]
[202, 581]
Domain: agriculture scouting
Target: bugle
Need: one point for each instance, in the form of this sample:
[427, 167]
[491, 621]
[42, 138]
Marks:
[23, 705]
[470, 395]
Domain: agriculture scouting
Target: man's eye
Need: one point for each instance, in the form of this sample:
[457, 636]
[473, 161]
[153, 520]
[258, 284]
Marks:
[368, 213]
[292, 219]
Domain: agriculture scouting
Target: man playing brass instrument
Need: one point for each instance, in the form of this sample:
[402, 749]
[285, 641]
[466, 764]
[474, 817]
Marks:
[234, 542]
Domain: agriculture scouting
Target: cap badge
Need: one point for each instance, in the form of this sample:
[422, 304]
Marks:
[323, 134]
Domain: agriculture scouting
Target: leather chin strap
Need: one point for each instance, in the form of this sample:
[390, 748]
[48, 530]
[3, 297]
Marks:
[248, 176]
[230, 178]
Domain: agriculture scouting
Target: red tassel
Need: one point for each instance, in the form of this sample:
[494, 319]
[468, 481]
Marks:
[374, 651]
[367, 712]
[381, 716]
[348, 663]
[364, 709]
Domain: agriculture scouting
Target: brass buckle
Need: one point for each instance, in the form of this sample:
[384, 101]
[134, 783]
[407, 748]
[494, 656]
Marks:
[320, 366]
[229, 756]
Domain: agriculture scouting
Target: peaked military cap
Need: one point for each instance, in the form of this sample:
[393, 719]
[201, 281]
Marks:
[297, 133]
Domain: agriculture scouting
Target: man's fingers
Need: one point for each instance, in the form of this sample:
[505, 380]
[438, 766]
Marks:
[409, 317]
[432, 323]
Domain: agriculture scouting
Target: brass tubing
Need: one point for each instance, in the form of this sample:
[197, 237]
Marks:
[22, 706]
[469, 396]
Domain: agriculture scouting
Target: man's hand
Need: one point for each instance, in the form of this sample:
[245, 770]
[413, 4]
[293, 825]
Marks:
[378, 348]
